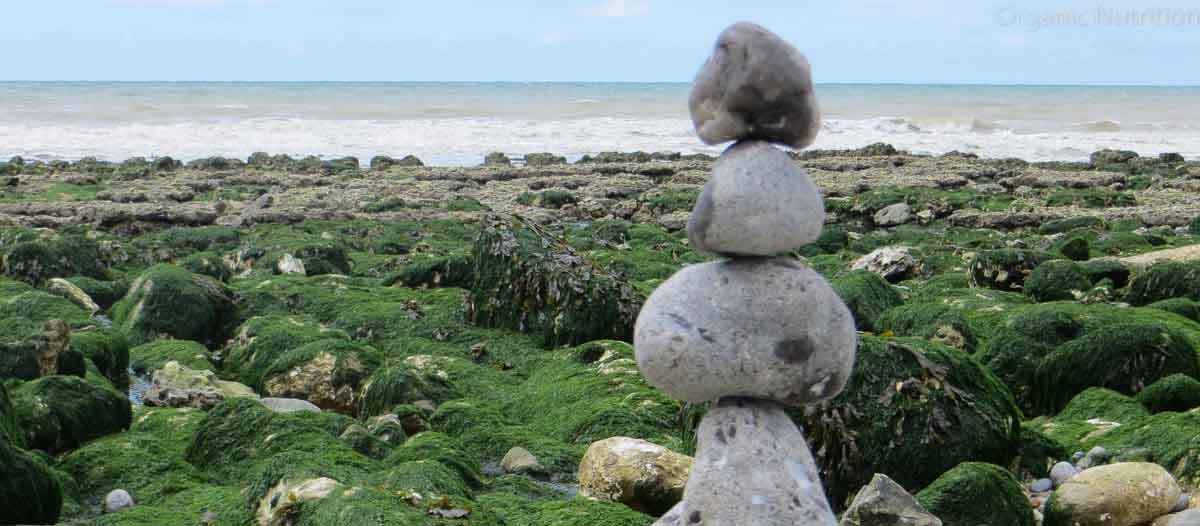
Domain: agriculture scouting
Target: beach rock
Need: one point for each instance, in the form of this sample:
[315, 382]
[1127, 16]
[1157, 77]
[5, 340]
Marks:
[885, 503]
[174, 385]
[754, 86]
[166, 300]
[752, 468]
[544, 159]
[1004, 269]
[1184, 518]
[276, 507]
[60, 413]
[289, 264]
[1041, 485]
[645, 476]
[66, 289]
[329, 373]
[1061, 472]
[757, 203]
[892, 215]
[117, 500]
[893, 263]
[761, 328]
[519, 460]
[497, 159]
[976, 494]
[1123, 494]
[289, 405]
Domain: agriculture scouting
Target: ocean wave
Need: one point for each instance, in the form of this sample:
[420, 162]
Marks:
[464, 141]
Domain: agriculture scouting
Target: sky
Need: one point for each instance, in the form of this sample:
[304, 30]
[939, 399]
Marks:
[916, 41]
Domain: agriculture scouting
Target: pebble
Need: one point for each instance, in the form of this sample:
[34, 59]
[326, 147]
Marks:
[1182, 504]
[891, 263]
[757, 203]
[1061, 472]
[117, 500]
[753, 468]
[761, 328]
[1041, 485]
[884, 502]
[754, 86]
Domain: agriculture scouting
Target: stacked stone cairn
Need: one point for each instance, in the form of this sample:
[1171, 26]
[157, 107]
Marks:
[753, 332]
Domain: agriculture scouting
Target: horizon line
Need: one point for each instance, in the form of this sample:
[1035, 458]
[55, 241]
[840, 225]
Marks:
[1090, 84]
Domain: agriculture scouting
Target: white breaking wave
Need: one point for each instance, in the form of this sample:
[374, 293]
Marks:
[465, 141]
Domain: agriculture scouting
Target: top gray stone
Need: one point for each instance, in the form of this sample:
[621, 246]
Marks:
[755, 86]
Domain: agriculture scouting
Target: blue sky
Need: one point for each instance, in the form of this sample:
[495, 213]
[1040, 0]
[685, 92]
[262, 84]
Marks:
[1114, 41]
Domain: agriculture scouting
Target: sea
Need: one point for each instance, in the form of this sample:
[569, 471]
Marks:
[458, 123]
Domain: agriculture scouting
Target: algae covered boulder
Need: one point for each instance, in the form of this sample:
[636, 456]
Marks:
[1178, 392]
[1165, 281]
[37, 261]
[867, 295]
[106, 348]
[150, 357]
[31, 349]
[977, 494]
[328, 373]
[259, 342]
[1004, 269]
[29, 492]
[529, 280]
[60, 413]
[937, 322]
[1056, 280]
[912, 410]
[168, 301]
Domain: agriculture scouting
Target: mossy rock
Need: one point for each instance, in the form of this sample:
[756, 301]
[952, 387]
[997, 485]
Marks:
[329, 373]
[403, 383]
[150, 357]
[937, 322]
[441, 448]
[912, 409]
[202, 239]
[60, 413]
[1177, 392]
[1111, 269]
[427, 477]
[1187, 308]
[29, 492]
[488, 434]
[366, 506]
[30, 349]
[1004, 269]
[39, 307]
[531, 281]
[977, 494]
[1057, 280]
[1103, 404]
[1074, 248]
[575, 512]
[867, 295]
[37, 261]
[454, 270]
[150, 468]
[168, 301]
[207, 264]
[10, 427]
[104, 293]
[1025, 339]
[1038, 453]
[1168, 439]
[1165, 281]
[1058, 226]
[262, 340]
[186, 508]
[106, 348]
[1124, 357]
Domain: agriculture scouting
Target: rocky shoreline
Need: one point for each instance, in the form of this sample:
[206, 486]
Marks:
[330, 343]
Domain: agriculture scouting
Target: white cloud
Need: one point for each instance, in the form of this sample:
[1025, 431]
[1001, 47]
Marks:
[618, 8]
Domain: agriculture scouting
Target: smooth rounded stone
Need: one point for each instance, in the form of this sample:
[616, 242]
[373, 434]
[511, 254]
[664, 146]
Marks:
[757, 203]
[1061, 472]
[519, 460]
[1183, 518]
[642, 475]
[289, 405]
[760, 328]
[754, 86]
[1124, 494]
[1182, 504]
[117, 500]
[289, 264]
[893, 215]
[1041, 485]
[883, 502]
[753, 469]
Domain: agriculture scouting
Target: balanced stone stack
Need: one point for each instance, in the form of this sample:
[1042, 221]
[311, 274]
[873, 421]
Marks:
[753, 332]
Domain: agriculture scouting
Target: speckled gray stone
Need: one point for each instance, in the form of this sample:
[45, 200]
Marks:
[757, 203]
[117, 500]
[766, 328]
[1061, 472]
[752, 468]
[754, 86]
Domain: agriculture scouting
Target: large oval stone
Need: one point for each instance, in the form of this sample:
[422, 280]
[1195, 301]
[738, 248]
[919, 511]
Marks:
[754, 86]
[1123, 494]
[757, 203]
[761, 328]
